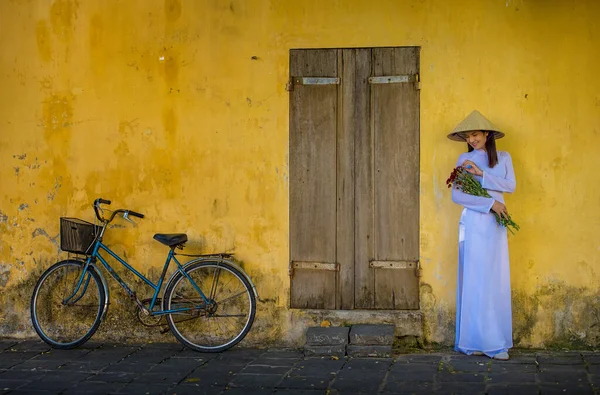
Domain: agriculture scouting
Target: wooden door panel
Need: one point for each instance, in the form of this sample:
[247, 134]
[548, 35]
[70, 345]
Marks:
[313, 126]
[395, 113]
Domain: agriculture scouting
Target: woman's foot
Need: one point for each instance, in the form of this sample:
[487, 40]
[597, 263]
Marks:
[477, 353]
[501, 356]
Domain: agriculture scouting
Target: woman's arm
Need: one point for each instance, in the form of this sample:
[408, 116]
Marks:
[477, 203]
[496, 183]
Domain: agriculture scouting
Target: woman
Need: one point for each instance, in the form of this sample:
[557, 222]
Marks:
[483, 305]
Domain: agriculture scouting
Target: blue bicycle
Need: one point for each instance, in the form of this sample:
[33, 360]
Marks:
[209, 302]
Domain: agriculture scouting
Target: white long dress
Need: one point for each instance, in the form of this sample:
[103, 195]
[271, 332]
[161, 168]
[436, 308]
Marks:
[483, 302]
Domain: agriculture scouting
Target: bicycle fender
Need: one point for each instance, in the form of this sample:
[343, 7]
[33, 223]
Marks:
[106, 290]
[218, 259]
[104, 284]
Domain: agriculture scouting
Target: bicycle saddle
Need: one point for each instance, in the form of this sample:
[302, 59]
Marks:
[171, 239]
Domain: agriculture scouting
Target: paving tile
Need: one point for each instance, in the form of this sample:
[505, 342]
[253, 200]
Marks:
[309, 382]
[240, 354]
[196, 390]
[572, 359]
[148, 356]
[108, 353]
[356, 385]
[85, 366]
[470, 365]
[361, 374]
[37, 364]
[511, 377]
[265, 369]
[369, 364]
[524, 368]
[31, 345]
[460, 389]
[512, 389]
[274, 361]
[171, 378]
[137, 367]
[256, 380]
[177, 365]
[444, 377]
[420, 358]
[562, 375]
[317, 367]
[580, 389]
[297, 391]
[112, 377]
[408, 388]
[412, 375]
[144, 388]
[18, 356]
[592, 359]
[7, 343]
[12, 384]
[188, 353]
[65, 355]
[15, 374]
[6, 364]
[55, 382]
[209, 377]
[93, 388]
[273, 353]
[247, 391]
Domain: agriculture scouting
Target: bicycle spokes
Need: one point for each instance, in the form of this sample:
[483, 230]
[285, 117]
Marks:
[220, 321]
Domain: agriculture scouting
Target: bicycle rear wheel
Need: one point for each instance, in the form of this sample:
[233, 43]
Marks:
[222, 322]
[67, 324]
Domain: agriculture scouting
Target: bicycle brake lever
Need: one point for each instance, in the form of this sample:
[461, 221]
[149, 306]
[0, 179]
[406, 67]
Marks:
[126, 218]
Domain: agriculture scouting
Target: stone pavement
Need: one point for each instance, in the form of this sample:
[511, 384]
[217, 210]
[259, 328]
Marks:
[31, 367]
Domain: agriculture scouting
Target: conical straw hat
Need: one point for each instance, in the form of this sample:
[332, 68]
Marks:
[475, 121]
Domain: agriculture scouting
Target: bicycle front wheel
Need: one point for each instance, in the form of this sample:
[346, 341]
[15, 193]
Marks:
[61, 318]
[221, 321]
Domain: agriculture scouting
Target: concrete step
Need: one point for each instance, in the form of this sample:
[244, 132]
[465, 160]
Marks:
[372, 335]
[318, 336]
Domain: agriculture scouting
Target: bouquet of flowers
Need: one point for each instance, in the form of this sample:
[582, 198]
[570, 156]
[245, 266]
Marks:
[464, 181]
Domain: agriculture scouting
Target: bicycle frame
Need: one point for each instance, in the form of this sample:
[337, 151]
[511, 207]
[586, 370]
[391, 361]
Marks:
[156, 287]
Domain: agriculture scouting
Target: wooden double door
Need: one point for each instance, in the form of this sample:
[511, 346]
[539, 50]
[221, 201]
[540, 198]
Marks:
[354, 178]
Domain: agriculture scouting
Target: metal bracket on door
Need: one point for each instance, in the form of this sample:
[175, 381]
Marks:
[311, 81]
[393, 264]
[397, 265]
[331, 266]
[397, 79]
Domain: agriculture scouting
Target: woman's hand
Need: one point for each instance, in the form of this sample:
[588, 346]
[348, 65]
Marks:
[500, 209]
[472, 168]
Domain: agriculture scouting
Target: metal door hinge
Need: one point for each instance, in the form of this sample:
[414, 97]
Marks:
[311, 81]
[331, 266]
[397, 79]
[393, 264]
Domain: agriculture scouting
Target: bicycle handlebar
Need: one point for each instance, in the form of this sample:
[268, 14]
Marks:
[99, 201]
[136, 214]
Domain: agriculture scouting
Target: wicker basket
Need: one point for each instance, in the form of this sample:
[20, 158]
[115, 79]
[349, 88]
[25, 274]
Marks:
[77, 236]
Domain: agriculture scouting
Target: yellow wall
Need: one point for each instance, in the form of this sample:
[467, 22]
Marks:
[178, 109]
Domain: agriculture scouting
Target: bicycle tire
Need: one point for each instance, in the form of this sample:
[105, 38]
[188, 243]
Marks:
[196, 328]
[74, 323]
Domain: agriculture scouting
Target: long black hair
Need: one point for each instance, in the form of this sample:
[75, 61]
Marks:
[490, 147]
